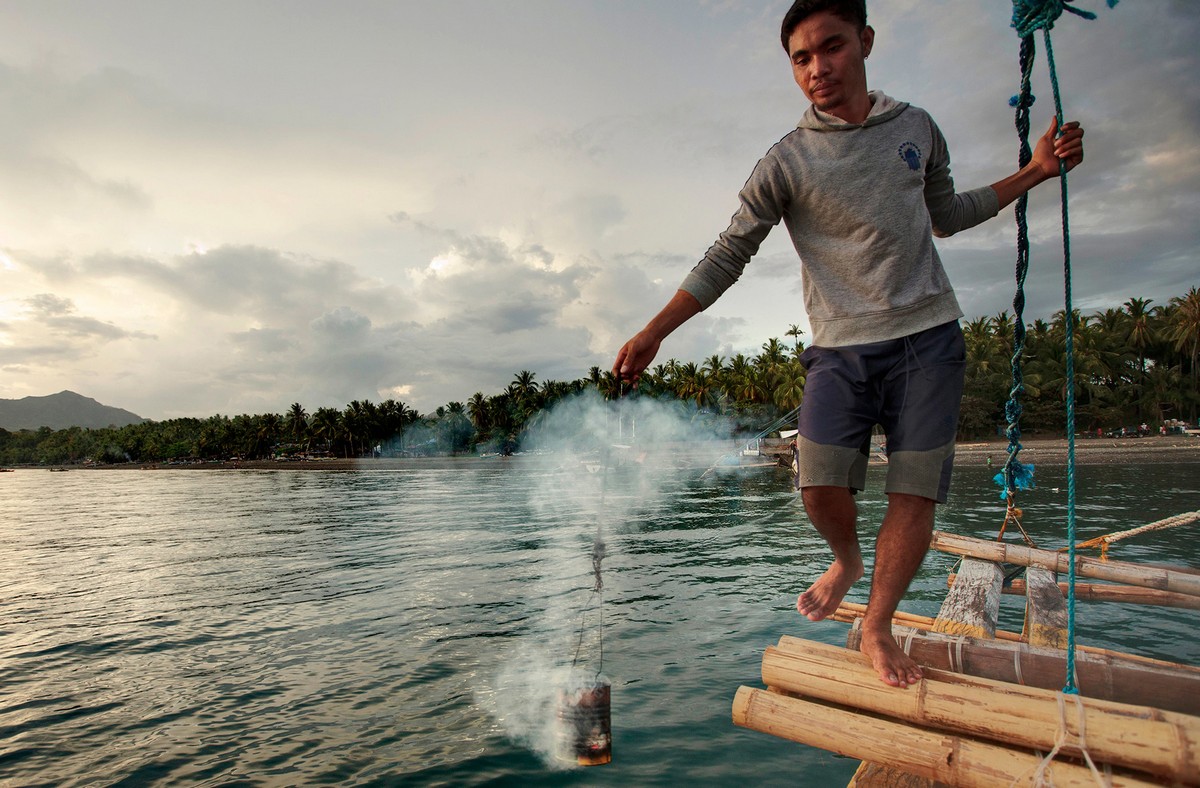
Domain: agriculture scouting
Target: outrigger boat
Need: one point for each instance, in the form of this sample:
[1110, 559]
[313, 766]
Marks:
[989, 710]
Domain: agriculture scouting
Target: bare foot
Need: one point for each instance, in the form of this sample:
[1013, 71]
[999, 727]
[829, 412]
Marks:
[823, 597]
[894, 666]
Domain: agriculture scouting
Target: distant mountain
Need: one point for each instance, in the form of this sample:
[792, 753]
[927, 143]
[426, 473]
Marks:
[62, 410]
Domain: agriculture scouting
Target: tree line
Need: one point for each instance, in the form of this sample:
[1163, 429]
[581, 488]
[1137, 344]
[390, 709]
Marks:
[1136, 363]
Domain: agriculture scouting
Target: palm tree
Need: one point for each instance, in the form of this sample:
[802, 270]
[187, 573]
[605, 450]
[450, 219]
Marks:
[355, 426]
[772, 354]
[790, 389]
[296, 424]
[265, 434]
[477, 411]
[522, 385]
[795, 332]
[1184, 333]
[327, 426]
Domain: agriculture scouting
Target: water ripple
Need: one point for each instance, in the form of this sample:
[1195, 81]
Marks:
[255, 628]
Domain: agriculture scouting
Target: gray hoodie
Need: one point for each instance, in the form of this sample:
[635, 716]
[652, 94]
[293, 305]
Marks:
[862, 202]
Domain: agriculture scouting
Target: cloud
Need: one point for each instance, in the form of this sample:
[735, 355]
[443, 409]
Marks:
[56, 315]
[304, 219]
[47, 331]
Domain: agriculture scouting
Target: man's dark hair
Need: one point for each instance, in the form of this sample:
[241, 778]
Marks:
[851, 10]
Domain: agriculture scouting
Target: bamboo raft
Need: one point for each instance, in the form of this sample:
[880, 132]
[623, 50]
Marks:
[989, 710]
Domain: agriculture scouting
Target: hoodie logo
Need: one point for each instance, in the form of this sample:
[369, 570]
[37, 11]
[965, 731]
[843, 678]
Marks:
[911, 155]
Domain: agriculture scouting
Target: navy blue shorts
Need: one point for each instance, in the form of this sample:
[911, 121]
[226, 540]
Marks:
[911, 386]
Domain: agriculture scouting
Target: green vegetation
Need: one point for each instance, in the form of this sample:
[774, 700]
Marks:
[1135, 363]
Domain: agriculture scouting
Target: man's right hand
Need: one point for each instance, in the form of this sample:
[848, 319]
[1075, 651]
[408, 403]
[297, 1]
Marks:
[634, 356]
[637, 353]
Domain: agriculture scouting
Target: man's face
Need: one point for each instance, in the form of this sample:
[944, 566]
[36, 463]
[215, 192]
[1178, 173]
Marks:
[827, 55]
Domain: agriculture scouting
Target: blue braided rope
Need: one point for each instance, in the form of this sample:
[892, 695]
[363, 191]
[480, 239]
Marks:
[1069, 327]
[1017, 475]
[1028, 16]
[1031, 15]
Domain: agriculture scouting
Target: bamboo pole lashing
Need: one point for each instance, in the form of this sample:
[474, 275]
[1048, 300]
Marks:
[1117, 571]
[1138, 737]
[957, 760]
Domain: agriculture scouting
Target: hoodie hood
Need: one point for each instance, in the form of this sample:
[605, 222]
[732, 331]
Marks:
[883, 109]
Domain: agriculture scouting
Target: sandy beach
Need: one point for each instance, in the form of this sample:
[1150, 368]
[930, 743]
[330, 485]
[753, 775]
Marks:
[1088, 451]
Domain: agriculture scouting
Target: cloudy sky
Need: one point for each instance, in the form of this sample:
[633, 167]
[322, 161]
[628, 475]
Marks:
[226, 207]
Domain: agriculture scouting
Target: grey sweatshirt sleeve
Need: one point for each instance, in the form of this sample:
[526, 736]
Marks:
[763, 201]
[951, 212]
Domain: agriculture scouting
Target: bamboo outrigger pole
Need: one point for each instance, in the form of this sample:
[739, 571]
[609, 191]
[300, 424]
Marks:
[1107, 592]
[1116, 571]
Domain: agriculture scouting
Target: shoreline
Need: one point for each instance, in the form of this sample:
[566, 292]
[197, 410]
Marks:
[1047, 451]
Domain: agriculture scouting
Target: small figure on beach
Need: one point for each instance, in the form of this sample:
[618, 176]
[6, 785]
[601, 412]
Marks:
[862, 185]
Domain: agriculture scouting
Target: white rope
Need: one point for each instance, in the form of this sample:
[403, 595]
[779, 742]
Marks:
[954, 652]
[1043, 775]
[1187, 518]
[1017, 666]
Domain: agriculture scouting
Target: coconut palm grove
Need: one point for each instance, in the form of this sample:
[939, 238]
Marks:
[1136, 364]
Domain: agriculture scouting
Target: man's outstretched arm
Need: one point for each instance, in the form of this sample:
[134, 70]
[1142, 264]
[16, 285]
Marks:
[638, 352]
[1044, 164]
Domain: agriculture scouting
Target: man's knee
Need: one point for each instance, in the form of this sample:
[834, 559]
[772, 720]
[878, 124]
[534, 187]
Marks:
[909, 501]
[912, 510]
[821, 499]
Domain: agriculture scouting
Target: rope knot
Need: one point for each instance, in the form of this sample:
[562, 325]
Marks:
[1031, 15]
[1022, 102]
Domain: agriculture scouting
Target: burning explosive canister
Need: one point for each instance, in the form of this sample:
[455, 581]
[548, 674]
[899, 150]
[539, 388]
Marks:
[585, 723]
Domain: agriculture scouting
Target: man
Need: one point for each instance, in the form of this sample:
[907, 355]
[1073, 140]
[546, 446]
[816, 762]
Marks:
[862, 185]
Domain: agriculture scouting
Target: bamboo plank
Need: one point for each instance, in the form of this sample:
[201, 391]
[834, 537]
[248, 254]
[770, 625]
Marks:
[1105, 675]
[1045, 610]
[957, 760]
[1137, 737]
[1109, 592]
[973, 604]
[1116, 571]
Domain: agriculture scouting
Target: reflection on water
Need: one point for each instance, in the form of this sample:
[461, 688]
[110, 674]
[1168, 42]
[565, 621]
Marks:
[272, 628]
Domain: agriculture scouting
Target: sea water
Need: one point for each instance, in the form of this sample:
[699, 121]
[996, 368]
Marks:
[183, 627]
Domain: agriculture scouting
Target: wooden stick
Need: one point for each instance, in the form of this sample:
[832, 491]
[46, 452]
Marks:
[1117, 571]
[1138, 737]
[1107, 676]
[848, 612]
[1108, 592]
[958, 760]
